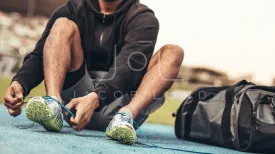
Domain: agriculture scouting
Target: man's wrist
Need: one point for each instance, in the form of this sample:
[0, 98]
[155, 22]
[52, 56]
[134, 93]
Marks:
[18, 84]
[95, 99]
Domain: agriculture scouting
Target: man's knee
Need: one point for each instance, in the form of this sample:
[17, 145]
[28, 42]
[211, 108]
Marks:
[64, 27]
[174, 52]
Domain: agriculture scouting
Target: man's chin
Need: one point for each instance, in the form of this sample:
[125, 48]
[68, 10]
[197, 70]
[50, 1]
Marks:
[110, 1]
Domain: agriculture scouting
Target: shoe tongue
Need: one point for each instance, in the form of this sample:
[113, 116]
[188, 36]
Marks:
[126, 111]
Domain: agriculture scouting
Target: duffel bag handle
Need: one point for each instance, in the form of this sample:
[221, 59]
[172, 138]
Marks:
[269, 100]
[243, 82]
[272, 103]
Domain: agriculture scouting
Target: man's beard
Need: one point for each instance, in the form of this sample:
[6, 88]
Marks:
[110, 0]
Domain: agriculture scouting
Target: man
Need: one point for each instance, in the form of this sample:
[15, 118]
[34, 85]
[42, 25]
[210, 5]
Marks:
[98, 52]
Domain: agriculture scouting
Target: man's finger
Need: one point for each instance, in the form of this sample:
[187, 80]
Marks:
[18, 105]
[71, 105]
[18, 93]
[83, 125]
[19, 101]
[85, 120]
[72, 121]
[10, 100]
[74, 125]
[8, 105]
[13, 107]
[78, 121]
[15, 113]
[79, 117]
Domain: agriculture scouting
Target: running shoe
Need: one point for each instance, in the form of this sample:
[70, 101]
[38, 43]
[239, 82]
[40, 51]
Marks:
[46, 112]
[121, 128]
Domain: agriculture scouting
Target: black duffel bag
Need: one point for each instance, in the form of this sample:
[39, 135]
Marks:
[239, 117]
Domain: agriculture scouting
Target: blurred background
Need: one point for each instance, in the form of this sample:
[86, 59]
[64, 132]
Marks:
[224, 42]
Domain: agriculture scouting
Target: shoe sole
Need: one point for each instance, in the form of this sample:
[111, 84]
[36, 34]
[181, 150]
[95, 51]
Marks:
[38, 111]
[123, 134]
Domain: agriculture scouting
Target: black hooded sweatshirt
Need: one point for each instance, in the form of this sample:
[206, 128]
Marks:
[121, 43]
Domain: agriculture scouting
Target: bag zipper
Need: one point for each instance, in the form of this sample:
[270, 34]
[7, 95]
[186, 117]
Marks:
[104, 17]
[272, 105]
[270, 89]
[255, 121]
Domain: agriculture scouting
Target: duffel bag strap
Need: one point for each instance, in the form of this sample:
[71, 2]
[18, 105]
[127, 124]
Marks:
[226, 117]
[225, 124]
[188, 118]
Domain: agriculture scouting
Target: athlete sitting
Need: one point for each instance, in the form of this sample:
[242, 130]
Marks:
[96, 56]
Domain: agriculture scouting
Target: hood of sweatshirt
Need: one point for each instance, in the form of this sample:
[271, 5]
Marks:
[122, 9]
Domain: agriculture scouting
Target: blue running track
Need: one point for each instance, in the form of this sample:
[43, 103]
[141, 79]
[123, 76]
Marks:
[35, 140]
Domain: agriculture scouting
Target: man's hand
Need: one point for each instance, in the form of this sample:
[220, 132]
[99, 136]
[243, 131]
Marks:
[85, 107]
[14, 98]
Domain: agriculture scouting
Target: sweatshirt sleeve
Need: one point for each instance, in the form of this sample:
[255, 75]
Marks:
[132, 62]
[31, 73]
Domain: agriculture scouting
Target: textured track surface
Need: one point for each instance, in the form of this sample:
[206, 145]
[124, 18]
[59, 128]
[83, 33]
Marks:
[35, 140]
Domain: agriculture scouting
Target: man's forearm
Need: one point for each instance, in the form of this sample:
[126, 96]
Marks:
[30, 74]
